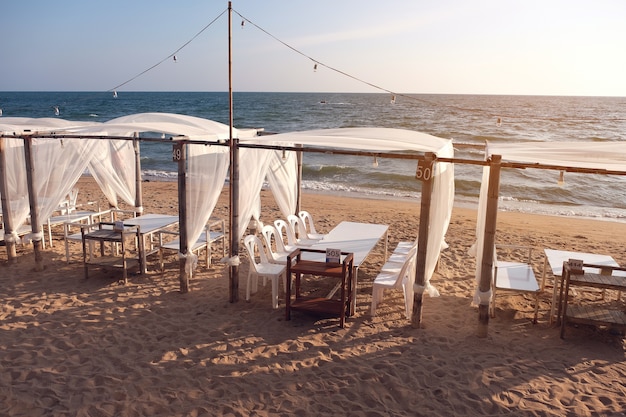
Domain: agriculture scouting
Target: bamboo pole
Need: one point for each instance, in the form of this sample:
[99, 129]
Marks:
[138, 191]
[7, 218]
[180, 152]
[299, 156]
[234, 177]
[425, 173]
[32, 198]
[491, 217]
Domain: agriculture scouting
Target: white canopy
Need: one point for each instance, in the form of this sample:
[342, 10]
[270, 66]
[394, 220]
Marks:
[391, 140]
[609, 156]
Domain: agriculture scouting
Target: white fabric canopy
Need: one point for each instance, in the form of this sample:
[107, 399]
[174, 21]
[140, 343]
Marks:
[588, 155]
[385, 140]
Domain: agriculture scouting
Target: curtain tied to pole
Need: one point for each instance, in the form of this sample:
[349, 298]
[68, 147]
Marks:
[191, 261]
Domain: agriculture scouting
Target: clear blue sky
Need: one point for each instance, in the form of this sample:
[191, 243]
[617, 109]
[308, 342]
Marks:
[545, 47]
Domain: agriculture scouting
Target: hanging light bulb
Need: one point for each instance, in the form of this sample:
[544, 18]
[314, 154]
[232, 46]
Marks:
[56, 110]
[284, 157]
[499, 122]
[243, 23]
[314, 67]
[174, 58]
[375, 163]
[561, 180]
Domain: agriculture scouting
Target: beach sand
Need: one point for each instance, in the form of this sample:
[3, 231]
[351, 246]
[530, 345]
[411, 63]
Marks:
[76, 347]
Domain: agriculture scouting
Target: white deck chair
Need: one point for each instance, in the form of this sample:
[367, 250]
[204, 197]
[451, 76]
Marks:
[262, 268]
[274, 244]
[307, 219]
[396, 276]
[514, 276]
[299, 231]
[285, 231]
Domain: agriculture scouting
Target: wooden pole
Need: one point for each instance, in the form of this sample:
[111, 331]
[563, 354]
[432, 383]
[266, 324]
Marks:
[180, 153]
[7, 218]
[234, 177]
[32, 198]
[138, 191]
[491, 215]
[425, 173]
[299, 156]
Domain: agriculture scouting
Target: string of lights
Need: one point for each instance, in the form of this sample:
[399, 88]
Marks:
[167, 58]
[499, 118]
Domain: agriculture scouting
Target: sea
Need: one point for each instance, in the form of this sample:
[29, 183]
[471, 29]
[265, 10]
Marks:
[469, 120]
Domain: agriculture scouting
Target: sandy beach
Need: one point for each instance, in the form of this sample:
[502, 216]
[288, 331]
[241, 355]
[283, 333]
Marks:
[76, 347]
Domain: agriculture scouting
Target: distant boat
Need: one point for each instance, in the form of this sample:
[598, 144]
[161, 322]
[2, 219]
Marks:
[393, 99]
[322, 101]
[114, 94]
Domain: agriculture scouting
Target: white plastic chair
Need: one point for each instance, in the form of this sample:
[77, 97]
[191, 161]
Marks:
[299, 231]
[396, 276]
[285, 230]
[274, 244]
[262, 268]
[307, 219]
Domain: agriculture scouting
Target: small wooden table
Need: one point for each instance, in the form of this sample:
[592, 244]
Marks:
[590, 314]
[106, 233]
[320, 305]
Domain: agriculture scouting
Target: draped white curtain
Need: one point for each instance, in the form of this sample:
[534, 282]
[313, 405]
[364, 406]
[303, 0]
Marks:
[253, 164]
[113, 167]
[442, 201]
[58, 164]
[17, 184]
[282, 176]
[207, 167]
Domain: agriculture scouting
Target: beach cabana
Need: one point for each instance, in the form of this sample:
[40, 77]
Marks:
[592, 157]
[437, 179]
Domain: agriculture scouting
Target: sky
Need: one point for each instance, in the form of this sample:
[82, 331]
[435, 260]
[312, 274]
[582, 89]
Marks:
[530, 47]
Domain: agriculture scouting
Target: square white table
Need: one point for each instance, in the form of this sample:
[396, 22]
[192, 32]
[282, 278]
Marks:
[357, 238]
[555, 259]
[149, 224]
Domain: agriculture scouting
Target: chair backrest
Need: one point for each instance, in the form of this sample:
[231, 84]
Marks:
[408, 267]
[297, 225]
[307, 219]
[273, 239]
[254, 246]
[284, 229]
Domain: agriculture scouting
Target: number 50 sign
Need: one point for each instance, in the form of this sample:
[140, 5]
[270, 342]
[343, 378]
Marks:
[424, 170]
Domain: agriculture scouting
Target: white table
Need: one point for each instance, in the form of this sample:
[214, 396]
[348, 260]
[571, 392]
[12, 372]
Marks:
[149, 224]
[555, 259]
[357, 238]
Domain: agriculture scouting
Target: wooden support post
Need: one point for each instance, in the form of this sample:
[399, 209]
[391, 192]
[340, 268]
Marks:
[7, 218]
[425, 174]
[32, 198]
[138, 191]
[234, 178]
[299, 155]
[180, 156]
[491, 217]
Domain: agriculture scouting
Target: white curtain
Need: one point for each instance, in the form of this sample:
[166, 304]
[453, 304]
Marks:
[282, 176]
[253, 164]
[442, 201]
[17, 184]
[113, 167]
[207, 167]
[58, 164]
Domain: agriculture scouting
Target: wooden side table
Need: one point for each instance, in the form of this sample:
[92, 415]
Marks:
[596, 314]
[106, 233]
[334, 307]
